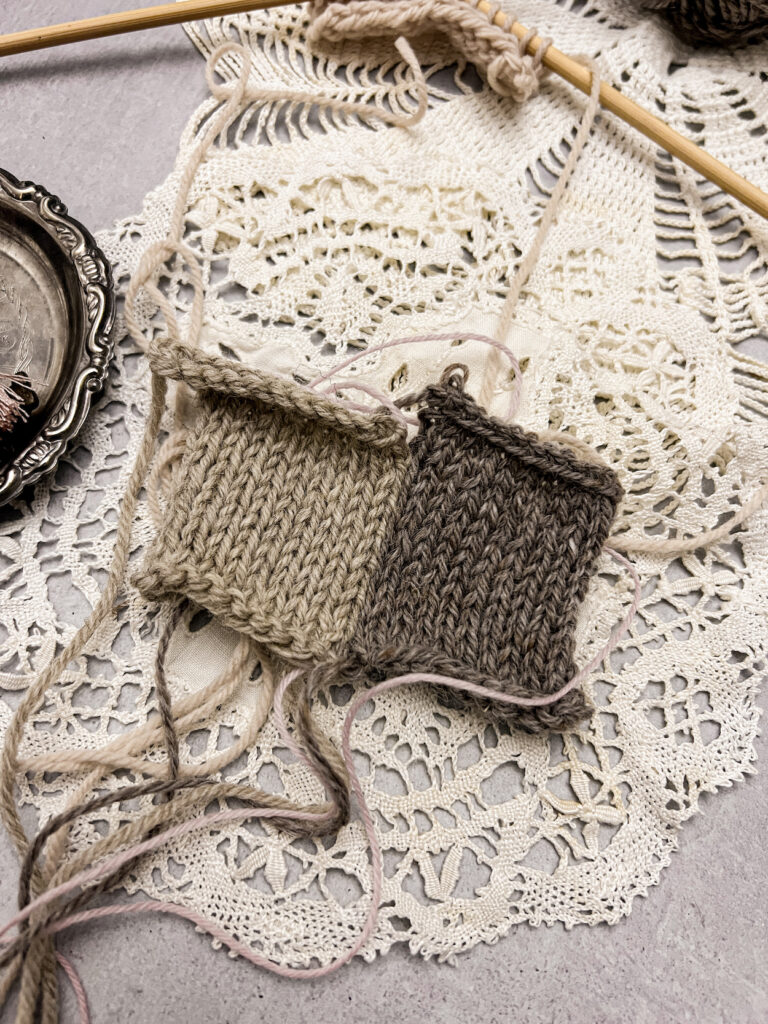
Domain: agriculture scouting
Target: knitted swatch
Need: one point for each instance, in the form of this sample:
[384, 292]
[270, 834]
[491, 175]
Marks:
[490, 556]
[314, 530]
[280, 507]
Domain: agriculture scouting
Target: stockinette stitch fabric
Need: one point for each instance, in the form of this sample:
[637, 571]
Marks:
[489, 558]
[318, 532]
[281, 504]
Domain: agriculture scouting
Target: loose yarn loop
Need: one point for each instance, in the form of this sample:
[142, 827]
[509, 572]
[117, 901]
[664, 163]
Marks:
[448, 337]
[510, 71]
[234, 96]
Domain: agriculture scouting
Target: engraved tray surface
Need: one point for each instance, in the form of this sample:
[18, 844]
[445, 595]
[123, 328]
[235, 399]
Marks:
[56, 317]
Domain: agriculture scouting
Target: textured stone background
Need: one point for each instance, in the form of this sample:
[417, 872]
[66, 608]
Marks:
[98, 124]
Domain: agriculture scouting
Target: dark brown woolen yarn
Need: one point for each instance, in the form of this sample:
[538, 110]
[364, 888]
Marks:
[714, 22]
[490, 557]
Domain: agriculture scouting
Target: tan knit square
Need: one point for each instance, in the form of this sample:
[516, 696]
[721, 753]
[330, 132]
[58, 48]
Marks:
[281, 505]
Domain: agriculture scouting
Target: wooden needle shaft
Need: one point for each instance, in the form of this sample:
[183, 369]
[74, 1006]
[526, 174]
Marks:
[644, 121]
[127, 21]
[568, 68]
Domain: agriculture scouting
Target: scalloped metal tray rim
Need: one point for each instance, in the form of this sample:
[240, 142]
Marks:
[94, 346]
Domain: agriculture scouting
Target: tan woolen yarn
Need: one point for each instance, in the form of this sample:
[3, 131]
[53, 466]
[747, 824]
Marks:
[279, 508]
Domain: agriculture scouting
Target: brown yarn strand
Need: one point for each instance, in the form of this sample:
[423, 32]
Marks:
[8, 980]
[164, 705]
[66, 817]
[120, 753]
[40, 966]
[331, 770]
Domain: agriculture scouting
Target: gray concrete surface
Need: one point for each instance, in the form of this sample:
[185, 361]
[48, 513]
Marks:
[696, 950]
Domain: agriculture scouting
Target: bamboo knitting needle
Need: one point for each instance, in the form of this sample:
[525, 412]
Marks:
[643, 120]
[629, 111]
[127, 21]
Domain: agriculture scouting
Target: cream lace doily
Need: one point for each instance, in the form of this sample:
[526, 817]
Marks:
[316, 234]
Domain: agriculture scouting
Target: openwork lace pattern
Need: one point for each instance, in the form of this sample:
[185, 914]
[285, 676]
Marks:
[321, 233]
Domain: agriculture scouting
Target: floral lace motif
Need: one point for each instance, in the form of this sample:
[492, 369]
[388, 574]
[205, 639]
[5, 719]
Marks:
[317, 235]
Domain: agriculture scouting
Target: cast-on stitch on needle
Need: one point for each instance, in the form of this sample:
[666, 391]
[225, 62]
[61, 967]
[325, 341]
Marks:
[509, 69]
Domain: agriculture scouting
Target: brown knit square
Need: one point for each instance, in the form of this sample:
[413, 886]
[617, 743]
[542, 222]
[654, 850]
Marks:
[280, 508]
[490, 557]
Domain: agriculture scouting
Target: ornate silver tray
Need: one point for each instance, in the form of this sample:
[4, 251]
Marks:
[56, 316]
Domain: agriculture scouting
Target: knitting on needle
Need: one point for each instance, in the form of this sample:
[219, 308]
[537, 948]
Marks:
[566, 67]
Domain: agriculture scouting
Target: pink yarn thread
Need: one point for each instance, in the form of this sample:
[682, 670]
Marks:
[77, 987]
[417, 339]
[420, 339]
[385, 400]
[208, 820]
[374, 392]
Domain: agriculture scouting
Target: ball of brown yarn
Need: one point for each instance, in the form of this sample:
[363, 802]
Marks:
[733, 22]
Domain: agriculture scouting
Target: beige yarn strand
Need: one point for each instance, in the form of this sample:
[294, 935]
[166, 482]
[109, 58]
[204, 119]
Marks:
[190, 711]
[680, 545]
[39, 967]
[493, 363]
[8, 980]
[553, 204]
